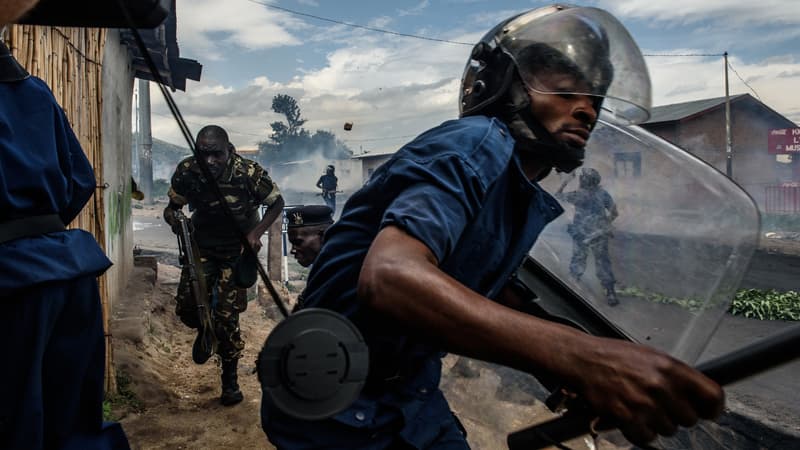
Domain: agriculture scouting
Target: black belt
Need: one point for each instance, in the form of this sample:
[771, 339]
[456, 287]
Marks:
[30, 226]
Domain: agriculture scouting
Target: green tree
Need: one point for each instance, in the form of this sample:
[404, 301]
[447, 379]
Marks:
[286, 105]
[290, 141]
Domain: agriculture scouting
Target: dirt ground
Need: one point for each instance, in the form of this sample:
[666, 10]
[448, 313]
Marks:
[179, 400]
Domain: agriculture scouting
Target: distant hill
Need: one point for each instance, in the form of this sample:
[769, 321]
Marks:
[165, 157]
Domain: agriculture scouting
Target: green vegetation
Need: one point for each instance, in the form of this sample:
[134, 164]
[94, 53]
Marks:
[751, 303]
[122, 401]
[766, 304]
[691, 304]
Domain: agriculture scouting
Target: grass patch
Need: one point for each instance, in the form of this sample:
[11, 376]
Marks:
[751, 303]
[766, 304]
[124, 400]
[692, 304]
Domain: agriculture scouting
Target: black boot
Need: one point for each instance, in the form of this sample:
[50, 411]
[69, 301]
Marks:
[231, 394]
[611, 297]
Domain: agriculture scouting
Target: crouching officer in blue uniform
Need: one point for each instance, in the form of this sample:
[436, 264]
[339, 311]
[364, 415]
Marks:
[51, 384]
[245, 186]
[421, 254]
[306, 231]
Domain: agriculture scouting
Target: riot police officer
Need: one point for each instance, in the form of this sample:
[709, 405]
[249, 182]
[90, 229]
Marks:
[410, 263]
[329, 183]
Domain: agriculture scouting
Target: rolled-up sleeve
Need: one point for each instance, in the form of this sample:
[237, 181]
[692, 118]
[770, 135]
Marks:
[265, 190]
[441, 197]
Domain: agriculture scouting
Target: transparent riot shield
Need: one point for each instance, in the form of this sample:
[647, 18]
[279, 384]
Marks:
[653, 243]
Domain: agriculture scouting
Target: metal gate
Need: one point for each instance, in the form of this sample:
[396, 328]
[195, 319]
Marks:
[783, 199]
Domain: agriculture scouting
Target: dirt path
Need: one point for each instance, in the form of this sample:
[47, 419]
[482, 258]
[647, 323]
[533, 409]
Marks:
[179, 400]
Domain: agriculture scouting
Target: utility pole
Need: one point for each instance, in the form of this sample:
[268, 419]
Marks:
[146, 143]
[728, 144]
[136, 134]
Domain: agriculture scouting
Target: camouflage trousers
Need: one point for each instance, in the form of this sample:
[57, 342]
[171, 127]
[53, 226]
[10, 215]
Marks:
[226, 301]
[602, 260]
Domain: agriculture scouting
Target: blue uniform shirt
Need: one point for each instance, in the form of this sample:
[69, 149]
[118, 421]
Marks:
[458, 188]
[42, 173]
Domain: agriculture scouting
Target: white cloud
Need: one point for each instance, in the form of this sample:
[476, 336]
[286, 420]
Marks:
[205, 25]
[415, 10]
[733, 13]
[678, 80]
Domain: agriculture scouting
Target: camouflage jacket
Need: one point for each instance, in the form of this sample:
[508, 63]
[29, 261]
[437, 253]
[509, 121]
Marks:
[244, 184]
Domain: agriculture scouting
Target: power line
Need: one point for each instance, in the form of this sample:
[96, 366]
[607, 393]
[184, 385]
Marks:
[355, 25]
[683, 54]
[745, 82]
[709, 54]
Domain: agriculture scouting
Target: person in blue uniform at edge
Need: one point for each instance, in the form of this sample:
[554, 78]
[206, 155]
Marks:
[421, 254]
[51, 384]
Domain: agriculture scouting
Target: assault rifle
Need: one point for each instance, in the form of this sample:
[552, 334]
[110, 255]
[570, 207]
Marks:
[190, 259]
[327, 193]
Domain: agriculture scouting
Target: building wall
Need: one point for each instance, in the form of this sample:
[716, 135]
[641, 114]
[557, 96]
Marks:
[117, 82]
[753, 167]
[369, 164]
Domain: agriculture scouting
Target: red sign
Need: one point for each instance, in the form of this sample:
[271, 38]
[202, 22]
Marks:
[783, 141]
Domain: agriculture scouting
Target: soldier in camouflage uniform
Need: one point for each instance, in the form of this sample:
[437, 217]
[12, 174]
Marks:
[245, 186]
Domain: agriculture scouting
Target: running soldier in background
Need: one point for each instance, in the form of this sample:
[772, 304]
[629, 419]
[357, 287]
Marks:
[245, 186]
[591, 228]
[328, 183]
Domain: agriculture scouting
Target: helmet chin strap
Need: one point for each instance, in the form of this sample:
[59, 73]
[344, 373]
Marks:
[532, 138]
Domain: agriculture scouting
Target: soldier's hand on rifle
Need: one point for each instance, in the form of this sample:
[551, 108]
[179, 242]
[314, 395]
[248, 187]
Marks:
[254, 240]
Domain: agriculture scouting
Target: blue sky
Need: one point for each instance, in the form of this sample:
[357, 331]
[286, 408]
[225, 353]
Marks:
[393, 87]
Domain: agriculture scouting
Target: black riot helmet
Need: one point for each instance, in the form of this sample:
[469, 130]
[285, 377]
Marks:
[587, 44]
[589, 179]
[330, 170]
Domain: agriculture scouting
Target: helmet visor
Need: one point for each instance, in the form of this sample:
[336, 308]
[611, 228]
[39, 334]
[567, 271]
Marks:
[584, 51]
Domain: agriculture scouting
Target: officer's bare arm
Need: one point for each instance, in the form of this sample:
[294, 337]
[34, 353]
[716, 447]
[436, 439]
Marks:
[270, 215]
[646, 391]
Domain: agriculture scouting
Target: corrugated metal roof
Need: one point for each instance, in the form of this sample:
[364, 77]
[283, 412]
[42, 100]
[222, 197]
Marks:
[379, 153]
[678, 111]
